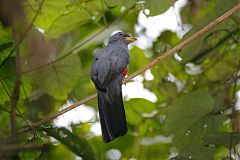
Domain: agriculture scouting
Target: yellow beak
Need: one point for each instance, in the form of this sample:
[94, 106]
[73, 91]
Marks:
[131, 39]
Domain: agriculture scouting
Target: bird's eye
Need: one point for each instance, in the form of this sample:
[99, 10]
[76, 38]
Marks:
[120, 34]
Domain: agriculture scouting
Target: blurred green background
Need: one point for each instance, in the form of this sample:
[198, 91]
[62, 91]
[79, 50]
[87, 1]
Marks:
[195, 114]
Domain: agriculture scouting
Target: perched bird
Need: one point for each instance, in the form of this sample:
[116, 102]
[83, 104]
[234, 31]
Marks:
[108, 71]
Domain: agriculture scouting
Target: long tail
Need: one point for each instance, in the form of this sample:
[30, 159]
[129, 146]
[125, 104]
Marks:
[111, 111]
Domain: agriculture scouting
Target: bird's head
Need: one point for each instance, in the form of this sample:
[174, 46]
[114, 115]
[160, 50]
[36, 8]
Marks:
[123, 37]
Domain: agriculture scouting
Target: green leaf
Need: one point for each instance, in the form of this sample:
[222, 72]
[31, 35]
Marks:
[129, 3]
[133, 117]
[157, 7]
[8, 71]
[59, 80]
[197, 48]
[168, 89]
[41, 105]
[187, 111]
[226, 139]
[6, 42]
[227, 66]
[6, 45]
[136, 107]
[67, 22]
[113, 3]
[31, 155]
[196, 152]
[76, 144]
[206, 125]
[143, 129]
[58, 151]
[137, 59]
[8, 68]
[64, 17]
[141, 105]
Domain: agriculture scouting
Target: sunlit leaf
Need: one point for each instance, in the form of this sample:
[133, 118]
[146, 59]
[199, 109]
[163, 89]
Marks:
[141, 105]
[135, 108]
[157, 7]
[59, 19]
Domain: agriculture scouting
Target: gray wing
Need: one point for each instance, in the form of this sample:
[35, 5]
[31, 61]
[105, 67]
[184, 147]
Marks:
[106, 69]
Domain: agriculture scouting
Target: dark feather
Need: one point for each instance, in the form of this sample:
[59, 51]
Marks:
[106, 73]
[111, 111]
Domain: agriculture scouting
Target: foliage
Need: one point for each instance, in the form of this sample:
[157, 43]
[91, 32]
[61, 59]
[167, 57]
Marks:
[192, 117]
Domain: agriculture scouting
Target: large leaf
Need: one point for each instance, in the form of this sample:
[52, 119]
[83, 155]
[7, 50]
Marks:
[59, 17]
[76, 144]
[226, 139]
[204, 126]
[187, 111]
[59, 80]
[157, 7]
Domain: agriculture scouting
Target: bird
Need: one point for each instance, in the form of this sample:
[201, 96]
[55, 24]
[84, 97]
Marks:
[108, 70]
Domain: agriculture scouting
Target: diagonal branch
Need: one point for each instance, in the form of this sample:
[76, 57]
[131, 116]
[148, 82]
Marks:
[146, 67]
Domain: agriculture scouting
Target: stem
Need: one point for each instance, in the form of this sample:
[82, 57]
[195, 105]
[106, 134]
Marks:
[15, 95]
[9, 149]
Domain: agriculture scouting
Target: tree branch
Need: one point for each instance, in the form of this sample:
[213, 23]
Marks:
[14, 148]
[15, 95]
[148, 66]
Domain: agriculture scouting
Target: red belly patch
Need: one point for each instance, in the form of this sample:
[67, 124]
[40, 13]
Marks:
[124, 73]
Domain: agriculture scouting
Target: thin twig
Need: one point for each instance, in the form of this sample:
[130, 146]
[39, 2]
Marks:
[148, 66]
